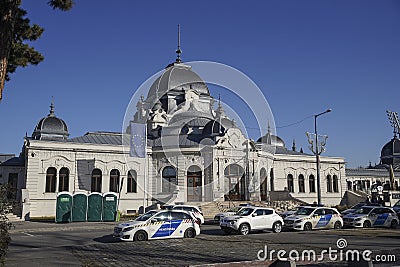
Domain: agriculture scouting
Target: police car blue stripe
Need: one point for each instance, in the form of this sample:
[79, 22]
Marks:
[381, 219]
[167, 228]
[324, 220]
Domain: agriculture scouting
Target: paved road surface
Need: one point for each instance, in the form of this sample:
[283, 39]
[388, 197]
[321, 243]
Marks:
[91, 244]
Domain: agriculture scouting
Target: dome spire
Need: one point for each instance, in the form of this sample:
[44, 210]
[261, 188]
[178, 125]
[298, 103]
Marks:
[179, 51]
[52, 107]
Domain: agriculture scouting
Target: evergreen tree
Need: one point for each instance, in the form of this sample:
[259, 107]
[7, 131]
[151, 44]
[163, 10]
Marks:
[15, 30]
[5, 224]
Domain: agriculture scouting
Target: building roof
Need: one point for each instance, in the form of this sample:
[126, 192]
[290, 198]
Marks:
[103, 138]
[283, 150]
[51, 128]
[175, 77]
[370, 172]
[15, 161]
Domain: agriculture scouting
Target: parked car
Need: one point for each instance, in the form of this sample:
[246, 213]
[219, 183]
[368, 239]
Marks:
[396, 208]
[372, 216]
[229, 212]
[290, 212]
[252, 218]
[356, 207]
[194, 209]
[309, 218]
[162, 224]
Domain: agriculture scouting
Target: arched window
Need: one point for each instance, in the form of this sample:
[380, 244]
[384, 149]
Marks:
[51, 176]
[271, 175]
[63, 180]
[335, 184]
[290, 183]
[96, 180]
[302, 186]
[328, 183]
[132, 182]
[114, 180]
[311, 182]
[169, 180]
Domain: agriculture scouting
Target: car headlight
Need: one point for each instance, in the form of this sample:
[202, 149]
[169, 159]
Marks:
[127, 229]
[358, 219]
[298, 221]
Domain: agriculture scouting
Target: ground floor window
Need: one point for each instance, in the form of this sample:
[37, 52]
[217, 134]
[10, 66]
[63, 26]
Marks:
[114, 180]
[51, 176]
[311, 182]
[132, 182]
[96, 180]
[290, 183]
[169, 180]
[63, 181]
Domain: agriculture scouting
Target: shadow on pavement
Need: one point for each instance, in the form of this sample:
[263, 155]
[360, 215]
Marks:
[106, 239]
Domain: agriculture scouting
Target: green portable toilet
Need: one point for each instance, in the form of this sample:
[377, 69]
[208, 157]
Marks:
[63, 207]
[79, 207]
[95, 207]
[110, 201]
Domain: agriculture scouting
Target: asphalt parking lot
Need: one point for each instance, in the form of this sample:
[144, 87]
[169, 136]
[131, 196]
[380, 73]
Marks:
[91, 244]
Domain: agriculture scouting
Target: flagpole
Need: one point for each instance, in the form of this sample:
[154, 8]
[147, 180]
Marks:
[119, 198]
[145, 169]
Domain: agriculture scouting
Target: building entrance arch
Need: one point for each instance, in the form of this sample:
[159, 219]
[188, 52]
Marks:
[194, 184]
[235, 182]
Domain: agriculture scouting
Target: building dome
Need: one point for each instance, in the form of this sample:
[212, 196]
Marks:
[270, 139]
[176, 78]
[51, 128]
[390, 153]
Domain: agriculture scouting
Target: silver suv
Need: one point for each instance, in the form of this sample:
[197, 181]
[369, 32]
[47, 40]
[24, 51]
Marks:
[252, 218]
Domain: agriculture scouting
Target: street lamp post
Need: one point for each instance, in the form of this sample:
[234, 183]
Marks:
[315, 149]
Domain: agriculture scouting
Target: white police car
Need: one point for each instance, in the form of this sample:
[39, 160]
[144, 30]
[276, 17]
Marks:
[372, 216]
[309, 218]
[158, 225]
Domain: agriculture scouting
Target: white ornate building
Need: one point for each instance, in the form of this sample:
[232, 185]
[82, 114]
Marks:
[195, 153]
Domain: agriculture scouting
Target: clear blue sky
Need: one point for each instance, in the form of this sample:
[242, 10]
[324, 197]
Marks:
[306, 56]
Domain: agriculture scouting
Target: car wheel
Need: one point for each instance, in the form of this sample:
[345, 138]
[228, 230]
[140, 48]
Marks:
[140, 236]
[394, 224]
[227, 231]
[277, 227]
[189, 233]
[307, 227]
[337, 225]
[244, 229]
[367, 224]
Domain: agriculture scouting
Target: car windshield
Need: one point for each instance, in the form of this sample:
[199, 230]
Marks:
[397, 204]
[146, 216]
[245, 212]
[304, 211]
[363, 210]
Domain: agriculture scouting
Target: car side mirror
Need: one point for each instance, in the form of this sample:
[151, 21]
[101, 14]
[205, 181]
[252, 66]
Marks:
[153, 220]
[373, 214]
[254, 214]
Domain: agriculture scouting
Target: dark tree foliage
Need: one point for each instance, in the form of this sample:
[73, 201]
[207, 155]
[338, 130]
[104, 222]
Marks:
[5, 224]
[16, 30]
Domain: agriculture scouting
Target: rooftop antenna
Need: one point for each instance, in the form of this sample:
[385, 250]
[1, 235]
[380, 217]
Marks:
[394, 122]
[52, 106]
[179, 51]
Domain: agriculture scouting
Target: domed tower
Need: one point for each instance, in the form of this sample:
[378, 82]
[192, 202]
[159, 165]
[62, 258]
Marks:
[51, 128]
[270, 139]
[390, 153]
